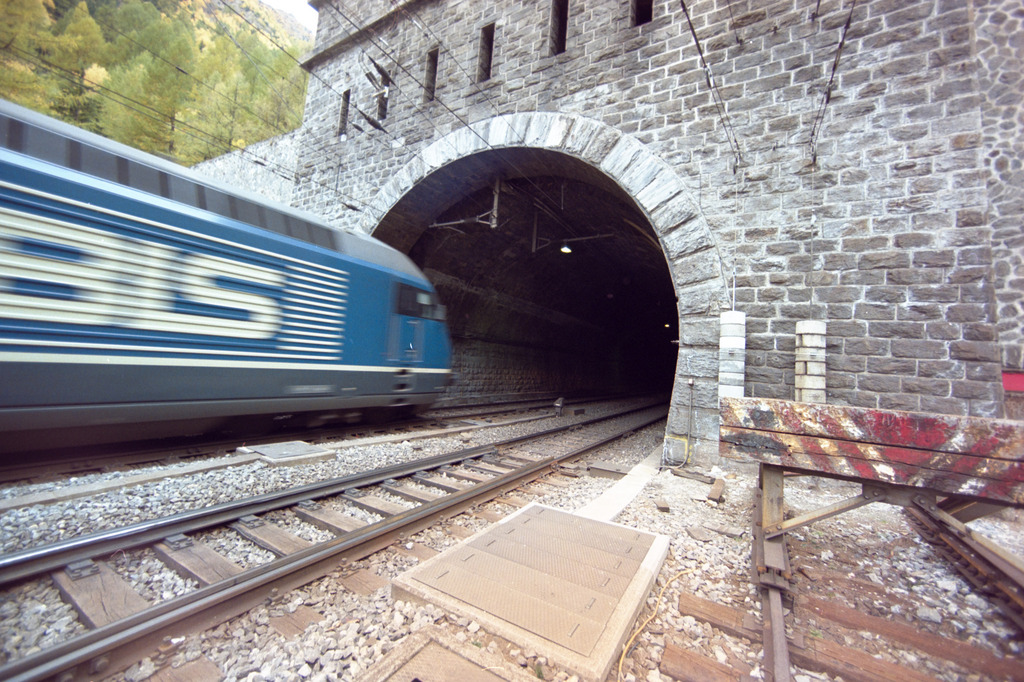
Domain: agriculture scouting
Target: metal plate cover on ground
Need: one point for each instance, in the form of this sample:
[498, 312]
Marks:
[565, 586]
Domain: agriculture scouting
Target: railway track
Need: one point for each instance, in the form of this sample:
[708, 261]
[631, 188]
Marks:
[124, 627]
[993, 572]
[79, 461]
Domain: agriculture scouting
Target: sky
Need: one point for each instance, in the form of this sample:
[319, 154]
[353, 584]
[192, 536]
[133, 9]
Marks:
[300, 9]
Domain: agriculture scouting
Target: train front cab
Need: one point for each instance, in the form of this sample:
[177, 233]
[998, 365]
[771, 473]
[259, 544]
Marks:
[418, 343]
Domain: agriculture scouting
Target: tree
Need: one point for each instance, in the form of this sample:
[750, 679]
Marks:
[75, 50]
[24, 35]
[153, 88]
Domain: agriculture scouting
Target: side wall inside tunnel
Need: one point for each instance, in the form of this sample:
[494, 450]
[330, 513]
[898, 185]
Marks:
[493, 358]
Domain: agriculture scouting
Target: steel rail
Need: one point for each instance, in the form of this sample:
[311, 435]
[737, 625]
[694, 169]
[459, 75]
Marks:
[37, 560]
[143, 452]
[176, 615]
[986, 570]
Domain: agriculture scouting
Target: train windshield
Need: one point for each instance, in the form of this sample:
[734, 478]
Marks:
[416, 302]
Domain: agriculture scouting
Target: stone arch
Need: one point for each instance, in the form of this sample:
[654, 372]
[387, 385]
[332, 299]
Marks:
[687, 242]
[689, 245]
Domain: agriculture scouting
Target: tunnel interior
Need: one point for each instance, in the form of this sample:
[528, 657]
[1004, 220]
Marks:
[554, 281]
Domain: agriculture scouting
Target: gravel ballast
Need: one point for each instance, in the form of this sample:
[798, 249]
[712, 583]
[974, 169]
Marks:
[875, 560]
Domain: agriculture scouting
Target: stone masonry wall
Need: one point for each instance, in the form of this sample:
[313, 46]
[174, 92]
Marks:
[266, 168]
[1000, 50]
[893, 213]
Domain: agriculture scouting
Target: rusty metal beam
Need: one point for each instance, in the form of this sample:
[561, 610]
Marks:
[988, 438]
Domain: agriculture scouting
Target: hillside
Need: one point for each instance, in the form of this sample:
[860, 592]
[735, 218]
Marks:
[188, 79]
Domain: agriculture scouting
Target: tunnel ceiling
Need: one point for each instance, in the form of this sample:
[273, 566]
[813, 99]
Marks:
[615, 276]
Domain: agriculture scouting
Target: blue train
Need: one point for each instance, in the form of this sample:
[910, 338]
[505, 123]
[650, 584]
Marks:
[139, 300]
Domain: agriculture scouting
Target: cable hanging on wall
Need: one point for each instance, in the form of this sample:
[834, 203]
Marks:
[826, 97]
[716, 96]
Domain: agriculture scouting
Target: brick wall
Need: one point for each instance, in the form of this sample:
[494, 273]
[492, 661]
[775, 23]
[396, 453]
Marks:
[900, 226]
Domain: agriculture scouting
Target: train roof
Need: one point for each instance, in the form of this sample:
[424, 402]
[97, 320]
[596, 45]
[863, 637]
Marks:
[33, 134]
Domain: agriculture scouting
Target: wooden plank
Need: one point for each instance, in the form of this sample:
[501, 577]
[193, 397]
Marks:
[970, 657]
[293, 624]
[822, 655]
[446, 484]
[750, 442]
[688, 666]
[773, 636]
[512, 501]
[963, 476]
[990, 438]
[272, 537]
[101, 598]
[198, 561]
[717, 490]
[413, 494]
[729, 620]
[488, 515]
[487, 468]
[331, 520]
[417, 550]
[771, 514]
[812, 653]
[364, 582]
[467, 475]
[376, 505]
[703, 478]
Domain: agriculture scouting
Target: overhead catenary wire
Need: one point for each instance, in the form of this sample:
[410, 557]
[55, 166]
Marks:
[284, 100]
[461, 119]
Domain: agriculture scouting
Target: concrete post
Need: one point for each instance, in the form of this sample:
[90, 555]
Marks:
[732, 349]
[810, 361]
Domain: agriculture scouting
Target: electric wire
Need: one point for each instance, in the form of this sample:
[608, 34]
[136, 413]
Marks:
[150, 112]
[281, 97]
[261, 31]
[388, 53]
[716, 96]
[826, 97]
[199, 81]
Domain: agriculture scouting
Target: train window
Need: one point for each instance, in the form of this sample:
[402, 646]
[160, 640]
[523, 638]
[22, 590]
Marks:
[321, 236]
[277, 222]
[182, 190]
[419, 303]
[44, 145]
[299, 229]
[249, 212]
[143, 177]
[217, 202]
[99, 163]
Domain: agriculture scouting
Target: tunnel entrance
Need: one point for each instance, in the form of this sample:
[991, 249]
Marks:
[554, 279]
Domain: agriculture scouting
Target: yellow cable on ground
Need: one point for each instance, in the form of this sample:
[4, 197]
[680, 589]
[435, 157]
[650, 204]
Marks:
[640, 629]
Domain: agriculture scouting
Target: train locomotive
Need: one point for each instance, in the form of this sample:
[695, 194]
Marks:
[140, 300]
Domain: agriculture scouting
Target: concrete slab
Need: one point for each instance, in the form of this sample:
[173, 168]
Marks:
[292, 452]
[607, 470]
[553, 582]
[612, 501]
[431, 655]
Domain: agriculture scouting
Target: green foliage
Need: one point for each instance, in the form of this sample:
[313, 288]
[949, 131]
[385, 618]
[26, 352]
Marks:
[25, 33]
[183, 78]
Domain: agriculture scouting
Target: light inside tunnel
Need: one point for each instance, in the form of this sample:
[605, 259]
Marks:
[524, 319]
